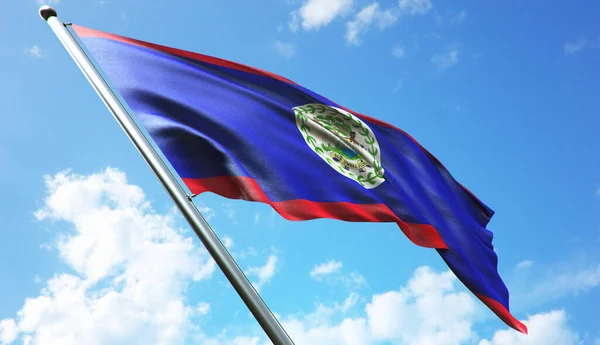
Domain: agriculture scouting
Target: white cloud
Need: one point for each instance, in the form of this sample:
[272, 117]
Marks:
[131, 268]
[598, 191]
[325, 268]
[414, 7]
[573, 282]
[398, 51]
[249, 252]
[8, 331]
[348, 332]
[246, 340]
[202, 308]
[354, 280]
[207, 212]
[538, 286]
[349, 302]
[446, 59]
[450, 17]
[544, 328]
[330, 273]
[228, 242]
[47, 2]
[365, 17]
[314, 14]
[323, 314]
[373, 14]
[428, 310]
[294, 23]
[264, 273]
[524, 264]
[287, 50]
[317, 328]
[458, 18]
[36, 52]
[574, 46]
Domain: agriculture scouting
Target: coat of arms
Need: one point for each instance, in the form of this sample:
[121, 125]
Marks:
[342, 140]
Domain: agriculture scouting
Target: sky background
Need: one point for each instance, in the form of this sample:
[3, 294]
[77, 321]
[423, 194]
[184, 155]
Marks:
[504, 93]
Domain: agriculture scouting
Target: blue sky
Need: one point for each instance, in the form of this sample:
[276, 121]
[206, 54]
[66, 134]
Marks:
[502, 92]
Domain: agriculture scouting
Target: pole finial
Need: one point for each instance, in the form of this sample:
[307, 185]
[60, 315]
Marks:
[47, 12]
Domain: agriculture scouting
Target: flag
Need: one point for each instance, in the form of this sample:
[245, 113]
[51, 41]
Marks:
[245, 133]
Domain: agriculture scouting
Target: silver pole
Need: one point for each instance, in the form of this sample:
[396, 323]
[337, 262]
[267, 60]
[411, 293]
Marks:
[217, 250]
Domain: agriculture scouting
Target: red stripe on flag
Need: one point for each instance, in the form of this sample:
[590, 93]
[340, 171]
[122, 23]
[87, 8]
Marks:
[246, 188]
[87, 32]
[503, 313]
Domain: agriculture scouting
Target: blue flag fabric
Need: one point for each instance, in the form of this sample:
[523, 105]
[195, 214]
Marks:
[245, 133]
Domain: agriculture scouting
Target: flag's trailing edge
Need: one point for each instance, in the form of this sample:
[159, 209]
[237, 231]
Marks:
[244, 133]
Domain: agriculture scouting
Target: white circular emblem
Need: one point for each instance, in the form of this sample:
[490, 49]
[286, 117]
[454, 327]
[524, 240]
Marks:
[342, 140]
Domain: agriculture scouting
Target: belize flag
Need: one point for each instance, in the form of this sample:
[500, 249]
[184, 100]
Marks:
[244, 133]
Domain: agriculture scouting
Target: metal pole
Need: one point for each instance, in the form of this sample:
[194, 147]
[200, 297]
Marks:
[217, 250]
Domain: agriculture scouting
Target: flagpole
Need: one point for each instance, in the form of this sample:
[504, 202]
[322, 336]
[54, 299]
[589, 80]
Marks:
[215, 247]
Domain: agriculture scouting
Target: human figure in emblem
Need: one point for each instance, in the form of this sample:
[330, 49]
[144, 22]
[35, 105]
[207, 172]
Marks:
[352, 139]
[346, 146]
